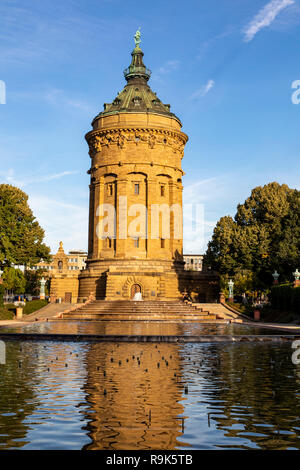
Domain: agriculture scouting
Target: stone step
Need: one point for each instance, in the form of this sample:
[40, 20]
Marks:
[145, 310]
[128, 317]
[148, 315]
[138, 310]
[141, 309]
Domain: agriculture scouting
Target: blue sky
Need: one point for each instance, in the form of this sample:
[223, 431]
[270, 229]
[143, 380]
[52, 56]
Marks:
[225, 66]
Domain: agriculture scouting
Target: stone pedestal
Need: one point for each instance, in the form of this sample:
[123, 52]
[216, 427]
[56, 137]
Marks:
[19, 313]
[297, 283]
[256, 315]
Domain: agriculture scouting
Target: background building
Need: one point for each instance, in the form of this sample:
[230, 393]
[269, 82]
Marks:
[193, 262]
[74, 261]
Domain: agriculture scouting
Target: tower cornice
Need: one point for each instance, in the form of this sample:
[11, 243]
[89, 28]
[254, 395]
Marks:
[121, 136]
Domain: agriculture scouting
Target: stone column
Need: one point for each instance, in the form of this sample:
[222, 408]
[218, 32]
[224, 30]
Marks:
[98, 199]
[91, 220]
[152, 245]
[175, 224]
[122, 218]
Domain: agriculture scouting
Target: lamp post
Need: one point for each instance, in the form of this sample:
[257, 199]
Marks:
[230, 287]
[296, 275]
[42, 288]
[275, 277]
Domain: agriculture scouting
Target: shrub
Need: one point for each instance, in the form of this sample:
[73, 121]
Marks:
[6, 314]
[286, 298]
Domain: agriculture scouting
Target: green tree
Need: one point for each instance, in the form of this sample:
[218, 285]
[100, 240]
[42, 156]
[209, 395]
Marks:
[33, 281]
[2, 291]
[21, 237]
[14, 279]
[264, 235]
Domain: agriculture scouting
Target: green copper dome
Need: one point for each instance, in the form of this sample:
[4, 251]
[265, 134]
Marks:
[137, 96]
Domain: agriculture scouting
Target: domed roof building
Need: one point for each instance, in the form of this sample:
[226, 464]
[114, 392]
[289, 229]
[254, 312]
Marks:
[135, 210]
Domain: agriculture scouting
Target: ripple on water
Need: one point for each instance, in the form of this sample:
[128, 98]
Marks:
[139, 328]
[113, 396]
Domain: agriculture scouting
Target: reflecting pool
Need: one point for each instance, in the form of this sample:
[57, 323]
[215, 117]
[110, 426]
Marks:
[149, 396]
[141, 328]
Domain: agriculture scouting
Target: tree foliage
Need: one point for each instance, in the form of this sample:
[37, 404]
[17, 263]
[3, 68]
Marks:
[286, 298]
[33, 282]
[263, 236]
[2, 291]
[13, 279]
[21, 237]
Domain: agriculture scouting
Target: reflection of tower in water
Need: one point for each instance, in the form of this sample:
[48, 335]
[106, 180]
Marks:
[134, 391]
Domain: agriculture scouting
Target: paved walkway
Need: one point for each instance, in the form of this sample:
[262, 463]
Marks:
[277, 326]
[50, 311]
[10, 322]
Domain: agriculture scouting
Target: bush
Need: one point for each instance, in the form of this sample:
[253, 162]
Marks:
[286, 298]
[6, 314]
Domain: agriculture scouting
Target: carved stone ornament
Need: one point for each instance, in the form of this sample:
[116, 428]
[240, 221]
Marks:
[121, 136]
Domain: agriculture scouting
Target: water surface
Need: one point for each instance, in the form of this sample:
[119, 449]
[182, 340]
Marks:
[141, 328]
[149, 396]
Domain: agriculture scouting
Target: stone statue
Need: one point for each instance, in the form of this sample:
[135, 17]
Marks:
[137, 38]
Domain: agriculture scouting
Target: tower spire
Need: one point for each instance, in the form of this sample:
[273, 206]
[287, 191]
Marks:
[137, 68]
[137, 95]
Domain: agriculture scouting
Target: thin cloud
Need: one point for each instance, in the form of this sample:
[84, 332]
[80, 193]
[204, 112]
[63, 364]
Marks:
[265, 17]
[10, 178]
[165, 69]
[53, 97]
[51, 214]
[169, 67]
[198, 221]
[57, 97]
[209, 43]
[31, 34]
[210, 199]
[203, 90]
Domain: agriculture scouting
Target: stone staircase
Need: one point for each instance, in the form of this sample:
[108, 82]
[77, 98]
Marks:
[221, 311]
[145, 310]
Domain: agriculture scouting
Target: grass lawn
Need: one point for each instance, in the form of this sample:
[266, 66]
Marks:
[34, 305]
[8, 311]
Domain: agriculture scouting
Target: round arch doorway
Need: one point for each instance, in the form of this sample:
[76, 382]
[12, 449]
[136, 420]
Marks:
[135, 289]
